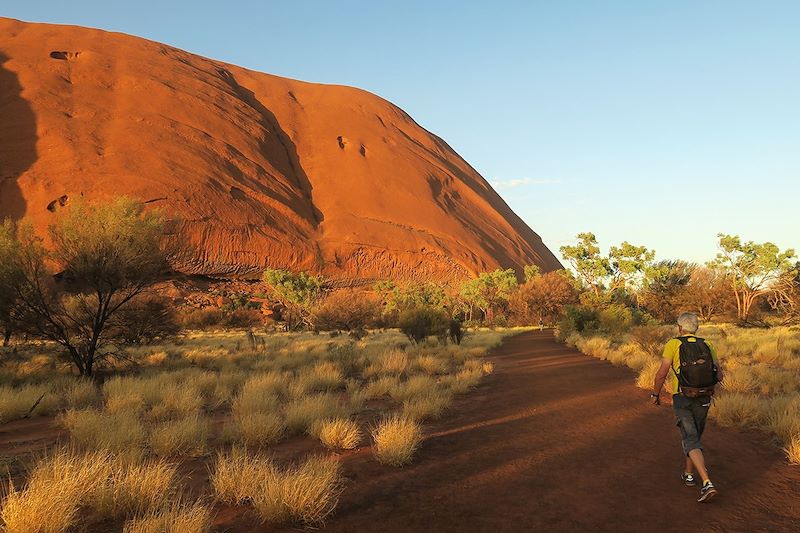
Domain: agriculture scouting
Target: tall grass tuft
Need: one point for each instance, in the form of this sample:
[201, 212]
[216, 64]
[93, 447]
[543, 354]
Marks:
[177, 518]
[396, 440]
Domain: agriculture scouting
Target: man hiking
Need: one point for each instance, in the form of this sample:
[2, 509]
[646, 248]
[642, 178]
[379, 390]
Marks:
[689, 366]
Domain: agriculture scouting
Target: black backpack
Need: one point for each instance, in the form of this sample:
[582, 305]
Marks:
[698, 373]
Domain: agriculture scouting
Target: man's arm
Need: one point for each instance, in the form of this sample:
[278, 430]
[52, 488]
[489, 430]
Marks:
[661, 376]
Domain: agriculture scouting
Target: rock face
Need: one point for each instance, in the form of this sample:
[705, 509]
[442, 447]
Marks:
[255, 170]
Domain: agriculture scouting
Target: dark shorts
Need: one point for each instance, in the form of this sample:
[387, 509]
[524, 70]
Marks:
[691, 414]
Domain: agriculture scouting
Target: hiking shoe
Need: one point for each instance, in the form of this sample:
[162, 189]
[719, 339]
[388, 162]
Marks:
[688, 479]
[707, 492]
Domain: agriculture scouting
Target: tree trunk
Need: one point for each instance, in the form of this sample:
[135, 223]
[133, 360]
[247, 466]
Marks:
[7, 337]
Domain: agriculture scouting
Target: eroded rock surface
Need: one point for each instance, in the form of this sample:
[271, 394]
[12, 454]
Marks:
[254, 170]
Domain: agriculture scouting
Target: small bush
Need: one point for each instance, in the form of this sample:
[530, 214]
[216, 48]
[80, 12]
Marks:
[396, 440]
[81, 394]
[143, 320]
[346, 310]
[419, 323]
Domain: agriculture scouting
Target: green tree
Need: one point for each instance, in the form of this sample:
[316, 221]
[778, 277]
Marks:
[297, 293]
[10, 277]
[754, 270]
[591, 267]
[489, 290]
[543, 298]
[532, 272]
[106, 255]
[622, 270]
[664, 284]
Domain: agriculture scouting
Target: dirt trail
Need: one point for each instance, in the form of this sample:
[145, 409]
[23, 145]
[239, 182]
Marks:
[558, 441]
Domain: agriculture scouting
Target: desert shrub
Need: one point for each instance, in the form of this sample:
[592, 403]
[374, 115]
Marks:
[202, 319]
[338, 433]
[144, 320]
[302, 413]
[651, 339]
[242, 318]
[577, 319]
[305, 494]
[396, 440]
[54, 493]
[176, 518]
[346, 310]
[615, 320]
[186, 436]
[419, 323]
[177, 401]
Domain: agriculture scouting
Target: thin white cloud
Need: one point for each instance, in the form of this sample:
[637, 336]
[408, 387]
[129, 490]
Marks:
[520, 182]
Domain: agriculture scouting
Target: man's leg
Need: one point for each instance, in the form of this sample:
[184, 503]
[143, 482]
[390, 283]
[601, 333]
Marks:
[696, 457]
[689, 466]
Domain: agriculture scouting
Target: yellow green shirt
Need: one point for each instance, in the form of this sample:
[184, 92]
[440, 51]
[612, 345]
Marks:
[672, 353]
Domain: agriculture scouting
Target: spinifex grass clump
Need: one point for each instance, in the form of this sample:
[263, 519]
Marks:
[177, 518]
[396, 440]
[338, 433]
[304, 493]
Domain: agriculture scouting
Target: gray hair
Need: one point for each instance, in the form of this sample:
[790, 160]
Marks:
[688, 322]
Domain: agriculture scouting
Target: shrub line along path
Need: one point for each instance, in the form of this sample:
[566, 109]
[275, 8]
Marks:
[558, 441]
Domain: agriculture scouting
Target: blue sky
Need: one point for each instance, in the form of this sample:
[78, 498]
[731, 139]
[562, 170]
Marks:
[660, 123]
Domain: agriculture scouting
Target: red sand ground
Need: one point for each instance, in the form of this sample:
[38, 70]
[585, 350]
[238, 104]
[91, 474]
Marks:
[552, 441]
[256, 170]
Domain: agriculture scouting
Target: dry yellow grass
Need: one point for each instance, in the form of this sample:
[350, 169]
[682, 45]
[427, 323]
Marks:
[431, 365]
[305, 494]
[323, 376]
[302, 413]
[16, 402]
[186, 436]
[793, 450]
[81, 394]
[133, 489]
[414, 387]
[338, 433]
[380, 387]
[396, 440]
[256, 429]
[55, 490]
[120, 433]
[177, 518]
[426, 407]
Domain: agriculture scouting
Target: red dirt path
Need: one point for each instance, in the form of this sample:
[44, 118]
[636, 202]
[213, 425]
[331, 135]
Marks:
[558, 441]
